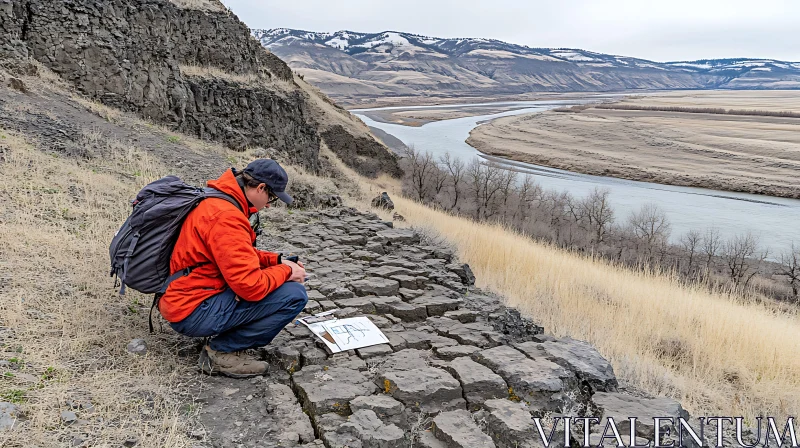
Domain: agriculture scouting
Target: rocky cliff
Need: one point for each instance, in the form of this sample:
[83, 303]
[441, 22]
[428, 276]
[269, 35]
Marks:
[196, 70]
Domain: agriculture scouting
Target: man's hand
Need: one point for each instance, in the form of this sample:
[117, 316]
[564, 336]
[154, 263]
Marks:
[298, 271]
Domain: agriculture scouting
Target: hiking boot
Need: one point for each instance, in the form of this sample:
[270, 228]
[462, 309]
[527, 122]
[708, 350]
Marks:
[234, 365]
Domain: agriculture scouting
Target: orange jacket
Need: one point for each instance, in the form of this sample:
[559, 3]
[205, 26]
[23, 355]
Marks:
[218, 235]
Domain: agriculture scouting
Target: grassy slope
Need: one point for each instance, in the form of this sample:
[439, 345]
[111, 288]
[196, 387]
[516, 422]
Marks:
[71, 327]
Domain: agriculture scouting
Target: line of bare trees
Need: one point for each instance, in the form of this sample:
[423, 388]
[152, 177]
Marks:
[484, 192]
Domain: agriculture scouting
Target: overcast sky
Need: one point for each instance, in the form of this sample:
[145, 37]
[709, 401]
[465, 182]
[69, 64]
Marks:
[657, 30]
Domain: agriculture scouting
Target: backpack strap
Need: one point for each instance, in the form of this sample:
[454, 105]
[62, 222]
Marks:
[128, 256]
[214, 193]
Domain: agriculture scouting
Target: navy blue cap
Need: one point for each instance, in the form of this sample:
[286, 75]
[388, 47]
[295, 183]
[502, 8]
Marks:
[269, 172]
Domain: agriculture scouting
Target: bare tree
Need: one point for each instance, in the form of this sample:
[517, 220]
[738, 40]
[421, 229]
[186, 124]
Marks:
[456, 170]
[790, 267]
[710, 246]
[475, 175]
[528, 192]
[650, 226]
[421, 170]
[742, 259]
[438, 179]
[598, 212]
[553, 205]
[691, 244]
[492, 185]
[576, 209]
[507, 181]
[484, 183]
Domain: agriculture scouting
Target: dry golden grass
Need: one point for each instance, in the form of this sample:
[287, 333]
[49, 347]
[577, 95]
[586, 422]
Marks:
[248, 80]
[101, 110]
[210, 72]
[715, 354]
[326, 112]
[202, 5]
[71, 328]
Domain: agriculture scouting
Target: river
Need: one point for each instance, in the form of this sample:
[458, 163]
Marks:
[774, 220]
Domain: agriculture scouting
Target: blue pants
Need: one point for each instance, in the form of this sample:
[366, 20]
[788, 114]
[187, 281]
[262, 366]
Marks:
[239, 325]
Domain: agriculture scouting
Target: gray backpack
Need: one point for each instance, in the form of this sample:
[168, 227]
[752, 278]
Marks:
[141, 249]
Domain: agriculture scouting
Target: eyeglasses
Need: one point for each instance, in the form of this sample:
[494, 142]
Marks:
[272, 197]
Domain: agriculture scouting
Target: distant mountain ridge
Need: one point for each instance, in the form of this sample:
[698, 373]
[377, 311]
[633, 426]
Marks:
[351, 65]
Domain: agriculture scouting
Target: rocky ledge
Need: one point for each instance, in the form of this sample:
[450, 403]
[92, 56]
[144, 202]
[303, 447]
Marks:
[461, 369]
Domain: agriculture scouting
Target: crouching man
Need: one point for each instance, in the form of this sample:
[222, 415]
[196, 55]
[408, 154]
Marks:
[238, 294]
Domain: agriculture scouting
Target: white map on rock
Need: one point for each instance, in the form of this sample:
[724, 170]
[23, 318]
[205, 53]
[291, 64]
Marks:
[355, 332]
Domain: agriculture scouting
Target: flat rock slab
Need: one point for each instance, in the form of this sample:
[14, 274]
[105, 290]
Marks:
[463, 316]
[389, 271]
[312, 307]
[428, 389]
[287, 357]
[316, 295]
[468, 336]
[310, 356]
[621, 406]
[396, 340]
[437, 306]
[374, 350]
[442, 324]
[324, 390]
[510, 425]
[375, 286]
[328, 424]
[385, 407]
[341, 293]
[457, 429]
[405, 311]
[355, 240]
[364, 255]
[407, 359]
[540, 383]
[409, 282]
[479, 383]
[456, 351]
[372, 431]
[346, 360]
[328, 305]
[399, 236]
[362, 304]
[428, 440]
[578, 356]
[410, 294]
[423, 340]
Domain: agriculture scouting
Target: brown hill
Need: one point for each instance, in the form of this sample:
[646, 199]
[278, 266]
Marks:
[359, 67]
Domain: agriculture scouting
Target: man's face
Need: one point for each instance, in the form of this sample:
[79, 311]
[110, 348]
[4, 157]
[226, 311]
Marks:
[261, 196]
